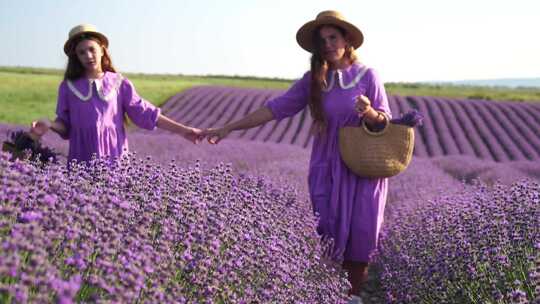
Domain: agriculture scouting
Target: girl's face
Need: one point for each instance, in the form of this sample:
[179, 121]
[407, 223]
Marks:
[89, 53]
[332, 44]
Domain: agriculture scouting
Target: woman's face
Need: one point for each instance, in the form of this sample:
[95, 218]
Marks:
[332, 44]
[89, 53]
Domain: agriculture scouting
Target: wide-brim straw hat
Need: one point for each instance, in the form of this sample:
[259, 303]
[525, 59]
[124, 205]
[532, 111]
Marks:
[83, 29]
[304, 36]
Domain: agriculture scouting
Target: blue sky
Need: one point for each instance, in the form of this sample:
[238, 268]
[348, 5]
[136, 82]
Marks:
[414, 40]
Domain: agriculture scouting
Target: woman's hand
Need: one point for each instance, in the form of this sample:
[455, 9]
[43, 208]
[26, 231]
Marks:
[362, 105]
[215, 135]
[193, 134]
[38, 128]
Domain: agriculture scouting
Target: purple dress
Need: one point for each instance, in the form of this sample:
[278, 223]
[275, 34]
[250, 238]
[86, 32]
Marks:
[93, 113]
[350, 207]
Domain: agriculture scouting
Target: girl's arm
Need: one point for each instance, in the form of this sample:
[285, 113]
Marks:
[189, 133]
[254, 119]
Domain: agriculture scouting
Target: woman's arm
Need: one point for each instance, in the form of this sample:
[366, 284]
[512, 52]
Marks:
[189, 133]
[286, 105]
[254, 119]
[259, 117]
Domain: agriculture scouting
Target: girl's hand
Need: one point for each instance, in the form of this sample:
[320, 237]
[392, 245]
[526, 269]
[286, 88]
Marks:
[214, 136]
[193, 134]
[362, 105]
[39, 128]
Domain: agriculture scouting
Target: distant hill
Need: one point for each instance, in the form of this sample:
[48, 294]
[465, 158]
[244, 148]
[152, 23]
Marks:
[503, 82]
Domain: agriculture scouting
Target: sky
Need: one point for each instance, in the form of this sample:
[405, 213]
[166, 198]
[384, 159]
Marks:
[405, 41]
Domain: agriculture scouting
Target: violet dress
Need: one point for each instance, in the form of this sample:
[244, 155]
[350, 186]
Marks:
[350, 207]
[93, 112]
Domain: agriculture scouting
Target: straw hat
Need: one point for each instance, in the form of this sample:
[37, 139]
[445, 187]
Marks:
[80, 30]
[304, 36]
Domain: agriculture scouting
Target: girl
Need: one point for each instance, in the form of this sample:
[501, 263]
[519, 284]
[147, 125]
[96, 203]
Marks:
[93, 100]
[340, 91]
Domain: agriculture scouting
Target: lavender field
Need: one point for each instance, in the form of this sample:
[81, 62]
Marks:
[232, 223]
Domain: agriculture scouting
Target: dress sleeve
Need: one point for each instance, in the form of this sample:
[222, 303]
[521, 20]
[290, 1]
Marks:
[62, 108]
[141, 112]
[293, 101]
[377, 94]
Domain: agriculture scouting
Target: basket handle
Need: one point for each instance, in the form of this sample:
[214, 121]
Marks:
[377, 133]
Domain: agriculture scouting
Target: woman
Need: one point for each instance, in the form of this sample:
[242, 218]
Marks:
[339, 91]
[94, 99]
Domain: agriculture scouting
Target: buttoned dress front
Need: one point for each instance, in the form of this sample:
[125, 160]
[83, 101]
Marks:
[93, 112]
[350, 207]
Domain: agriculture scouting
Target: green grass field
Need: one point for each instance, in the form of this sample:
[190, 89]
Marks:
[27, 94]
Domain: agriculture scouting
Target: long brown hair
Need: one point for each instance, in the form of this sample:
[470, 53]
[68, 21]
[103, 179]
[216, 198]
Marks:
[75, 69]
[319, 69]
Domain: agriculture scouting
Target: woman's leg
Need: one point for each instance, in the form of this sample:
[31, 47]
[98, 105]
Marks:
[357, 273]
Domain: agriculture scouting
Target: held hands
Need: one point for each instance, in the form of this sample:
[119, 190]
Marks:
[215, 135]
[260, 116]
[194, 135]
[191, 134]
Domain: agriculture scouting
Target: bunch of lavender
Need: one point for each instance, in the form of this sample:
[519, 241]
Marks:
[135, 231]
[478, 246]
[21, 145]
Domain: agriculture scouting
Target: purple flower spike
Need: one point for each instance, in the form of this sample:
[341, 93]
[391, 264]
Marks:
[30, 216]
[412, 118]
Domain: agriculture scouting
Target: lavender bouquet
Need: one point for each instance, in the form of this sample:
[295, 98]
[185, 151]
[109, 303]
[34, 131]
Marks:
[21, 145]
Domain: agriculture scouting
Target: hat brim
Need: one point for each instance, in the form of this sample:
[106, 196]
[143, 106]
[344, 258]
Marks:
[304, 36]
[69, 43]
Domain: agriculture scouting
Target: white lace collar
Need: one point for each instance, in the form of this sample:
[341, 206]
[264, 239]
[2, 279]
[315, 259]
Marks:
[350, 85]
[99, 88]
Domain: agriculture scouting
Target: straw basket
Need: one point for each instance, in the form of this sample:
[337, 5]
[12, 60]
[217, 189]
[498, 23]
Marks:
[377, 154]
